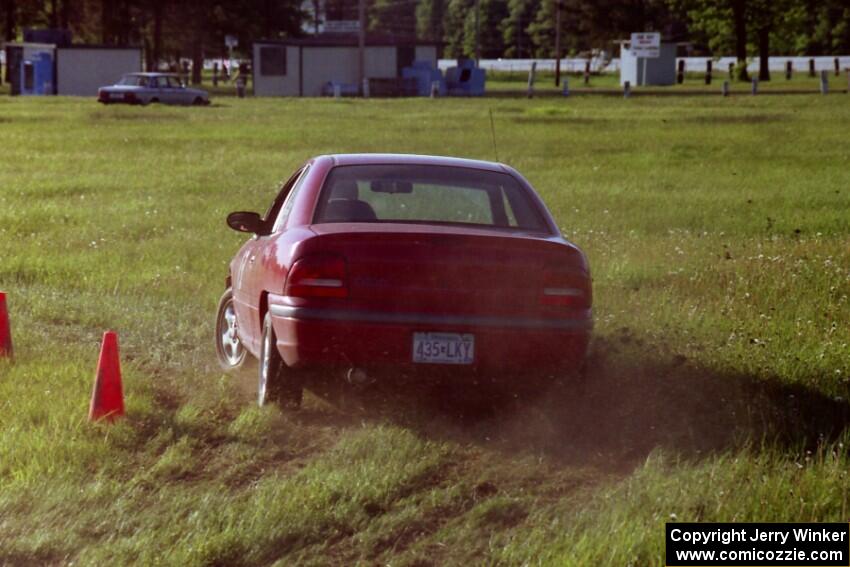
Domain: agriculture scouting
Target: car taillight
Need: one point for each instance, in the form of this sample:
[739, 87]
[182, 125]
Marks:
[129, 97]
[318, 276]
[565, 289]
[102, 95]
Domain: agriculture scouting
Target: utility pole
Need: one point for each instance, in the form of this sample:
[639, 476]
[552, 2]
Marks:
[477, 32]
[361, 39]
[557, 42]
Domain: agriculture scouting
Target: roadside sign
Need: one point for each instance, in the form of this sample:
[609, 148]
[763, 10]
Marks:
[231, 41]
[646, 45]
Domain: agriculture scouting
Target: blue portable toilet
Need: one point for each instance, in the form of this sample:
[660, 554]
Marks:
[466, 79]
[32, 68]
[37, 75]
[425, 74]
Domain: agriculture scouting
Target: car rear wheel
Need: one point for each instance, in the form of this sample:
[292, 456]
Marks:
[276, 381]
[198, 101]
[231, 353]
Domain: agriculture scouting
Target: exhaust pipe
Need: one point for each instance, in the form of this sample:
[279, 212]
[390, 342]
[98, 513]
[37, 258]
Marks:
[358, 377]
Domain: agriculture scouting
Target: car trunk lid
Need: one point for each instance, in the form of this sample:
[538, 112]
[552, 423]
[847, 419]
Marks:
[447, 270]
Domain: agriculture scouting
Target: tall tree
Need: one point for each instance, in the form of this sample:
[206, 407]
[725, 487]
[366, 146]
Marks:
[10, 12]
[158, 16]
[542, 27]
[65, 15]
[106, 22]
[393, 17]
[454, 26]
[739, 18]
[490, 15]
[763, 15]
[721, 23]
[429, 19]
[514, 27]
[54, 14]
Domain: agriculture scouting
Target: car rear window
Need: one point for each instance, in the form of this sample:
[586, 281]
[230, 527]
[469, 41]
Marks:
[427, 194]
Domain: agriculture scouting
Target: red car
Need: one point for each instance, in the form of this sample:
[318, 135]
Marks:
[371, 261]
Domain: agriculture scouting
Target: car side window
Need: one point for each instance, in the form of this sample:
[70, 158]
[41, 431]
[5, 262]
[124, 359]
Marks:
[289, 202]
[270, 218]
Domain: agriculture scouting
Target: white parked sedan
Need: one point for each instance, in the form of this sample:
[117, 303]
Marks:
[145, 88]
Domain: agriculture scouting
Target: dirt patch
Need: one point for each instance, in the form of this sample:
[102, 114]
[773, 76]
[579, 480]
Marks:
[630, 404]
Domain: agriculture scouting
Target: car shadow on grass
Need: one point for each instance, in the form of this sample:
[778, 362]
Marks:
[633, 402]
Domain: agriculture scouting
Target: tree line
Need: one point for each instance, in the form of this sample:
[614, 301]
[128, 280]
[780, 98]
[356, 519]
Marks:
[526, 28]
[170, 30]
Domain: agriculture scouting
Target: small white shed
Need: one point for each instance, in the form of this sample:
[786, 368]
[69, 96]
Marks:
[302, 67]
[660, 71]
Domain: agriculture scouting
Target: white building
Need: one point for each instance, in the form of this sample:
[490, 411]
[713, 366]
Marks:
[303, 67]
[81, 70]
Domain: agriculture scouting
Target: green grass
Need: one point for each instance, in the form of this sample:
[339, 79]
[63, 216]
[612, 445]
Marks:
[718, 233]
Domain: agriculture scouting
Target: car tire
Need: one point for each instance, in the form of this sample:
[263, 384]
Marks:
[276, 381]
[198, 101]
[229, 349]
[154, 100]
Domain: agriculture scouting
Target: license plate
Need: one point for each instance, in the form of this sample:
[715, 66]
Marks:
[116, 96]
[443, 348]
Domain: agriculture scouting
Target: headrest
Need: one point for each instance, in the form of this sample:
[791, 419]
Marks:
[348, 210]
[345, 189]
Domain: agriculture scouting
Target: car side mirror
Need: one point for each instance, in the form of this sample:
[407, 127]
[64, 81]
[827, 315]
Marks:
[244, 221]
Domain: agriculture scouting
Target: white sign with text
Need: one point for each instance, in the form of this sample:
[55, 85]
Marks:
[646, 44]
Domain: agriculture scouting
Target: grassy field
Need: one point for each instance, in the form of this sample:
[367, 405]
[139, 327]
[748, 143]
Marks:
[719, 235]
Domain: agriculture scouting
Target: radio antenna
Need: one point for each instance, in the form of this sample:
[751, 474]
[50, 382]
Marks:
[493, 134]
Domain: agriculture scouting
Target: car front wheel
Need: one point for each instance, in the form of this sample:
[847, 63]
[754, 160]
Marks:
[230, 350]
[276, 381]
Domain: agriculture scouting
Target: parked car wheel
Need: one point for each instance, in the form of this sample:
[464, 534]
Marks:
[198, 101]
[231, 353]
[276, 381]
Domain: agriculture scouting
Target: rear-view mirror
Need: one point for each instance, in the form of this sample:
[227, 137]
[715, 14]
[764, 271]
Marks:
[391, 186]
[244, 221]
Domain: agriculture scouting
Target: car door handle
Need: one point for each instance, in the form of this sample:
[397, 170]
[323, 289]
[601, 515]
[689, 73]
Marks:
[252, 258]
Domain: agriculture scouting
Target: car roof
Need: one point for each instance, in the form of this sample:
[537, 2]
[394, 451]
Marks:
[152, 74]
[413, 159]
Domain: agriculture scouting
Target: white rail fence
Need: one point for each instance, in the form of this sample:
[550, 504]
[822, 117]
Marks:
[692, 64]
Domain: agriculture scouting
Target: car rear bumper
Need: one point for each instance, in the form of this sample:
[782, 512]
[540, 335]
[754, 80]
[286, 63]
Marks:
[309, 336]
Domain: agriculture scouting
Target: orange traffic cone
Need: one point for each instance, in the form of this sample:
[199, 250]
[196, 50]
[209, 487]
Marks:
[107, 398]
[5, 330]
